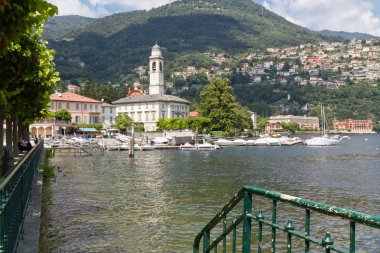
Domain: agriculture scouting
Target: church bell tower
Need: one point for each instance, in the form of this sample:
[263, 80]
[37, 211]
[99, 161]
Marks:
[156, 71]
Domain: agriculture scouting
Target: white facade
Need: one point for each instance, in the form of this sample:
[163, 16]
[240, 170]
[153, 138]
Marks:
[148, 109]
[108, 115]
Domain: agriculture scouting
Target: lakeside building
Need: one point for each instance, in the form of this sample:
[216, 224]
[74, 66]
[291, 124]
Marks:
[108, 115]
[354, 126]
[149, 108]
[83, 110]
[305, 122]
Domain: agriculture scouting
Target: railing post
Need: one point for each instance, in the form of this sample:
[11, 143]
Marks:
[247, 223]
[260, 217]
[274, 221]
[289, 227]
[2, 220]
[206, 241]
[234, 237]
[224, 232]
[352, 237]
[307, 230]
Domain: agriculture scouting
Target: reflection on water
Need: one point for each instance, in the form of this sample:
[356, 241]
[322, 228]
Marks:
[159, 201]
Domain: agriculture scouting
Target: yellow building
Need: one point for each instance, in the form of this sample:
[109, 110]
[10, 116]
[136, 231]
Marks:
[305, 122]
[83, 110]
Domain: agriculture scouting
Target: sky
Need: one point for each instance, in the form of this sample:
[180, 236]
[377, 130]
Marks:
[336, 15]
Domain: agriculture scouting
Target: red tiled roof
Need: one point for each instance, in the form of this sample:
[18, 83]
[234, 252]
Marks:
[193, 114]
[68, 96]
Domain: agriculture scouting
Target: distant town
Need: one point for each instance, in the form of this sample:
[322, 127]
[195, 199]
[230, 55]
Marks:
[331, 64]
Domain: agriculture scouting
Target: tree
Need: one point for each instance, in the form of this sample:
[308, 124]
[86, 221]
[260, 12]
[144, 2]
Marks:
[219, 104]
[62, 115]
[123, 122]
[26, 69]
[262, 122]
[292, 127]
[198, 123]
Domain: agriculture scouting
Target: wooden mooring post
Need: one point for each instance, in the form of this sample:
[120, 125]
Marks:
[132, 143]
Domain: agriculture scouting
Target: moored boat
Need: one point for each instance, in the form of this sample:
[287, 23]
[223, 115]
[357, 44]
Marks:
[223, 142]
[207, 147]
[322, 141]
[187, 147]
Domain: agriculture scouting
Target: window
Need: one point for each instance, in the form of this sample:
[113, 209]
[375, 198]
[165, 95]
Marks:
[77, 119]
[154, 66]
[52, 104]
[103, 118]
[103, 109]
[96, 108]
[85, 119]
[59, 105]
[111, 120]
[162, 114]
[139, 116]
[85, 107]
[146, 116]
[77, 106]
[90, 107]
[111, 110]
[68, 106]
[153, 115]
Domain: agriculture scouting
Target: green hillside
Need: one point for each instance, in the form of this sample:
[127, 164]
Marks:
[59, 26]
[108, 48]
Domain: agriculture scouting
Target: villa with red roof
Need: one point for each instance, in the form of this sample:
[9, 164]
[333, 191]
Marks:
[83, 110]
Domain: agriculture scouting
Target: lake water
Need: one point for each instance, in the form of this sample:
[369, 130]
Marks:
[160, 200]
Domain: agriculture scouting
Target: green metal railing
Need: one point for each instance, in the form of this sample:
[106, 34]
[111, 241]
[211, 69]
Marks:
[245, 219]
[15, 192]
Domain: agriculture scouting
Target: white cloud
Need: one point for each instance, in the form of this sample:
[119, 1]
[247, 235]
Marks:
[99, 8]
[336, 15]
[76, 7]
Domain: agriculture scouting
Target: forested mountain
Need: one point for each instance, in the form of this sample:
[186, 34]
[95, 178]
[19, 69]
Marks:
[108, 48]
[59, 26]
[350, 36]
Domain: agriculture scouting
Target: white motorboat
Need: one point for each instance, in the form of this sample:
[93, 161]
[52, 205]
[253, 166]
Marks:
[268, 141]
[207, 147]
[322, 141]
[287, 141]
[239, 142]
[113, 147]
[187, 147]
[250, 143]
[223, 142]
[124, 146]
[145, 147]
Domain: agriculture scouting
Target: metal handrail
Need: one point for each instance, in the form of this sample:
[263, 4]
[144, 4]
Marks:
[245, 194]
[15, 192]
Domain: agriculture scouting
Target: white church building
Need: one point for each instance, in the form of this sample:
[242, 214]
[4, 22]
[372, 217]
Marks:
[149, 108]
